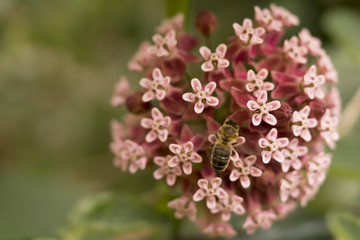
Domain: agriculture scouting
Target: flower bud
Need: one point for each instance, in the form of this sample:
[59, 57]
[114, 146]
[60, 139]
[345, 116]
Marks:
[206, 22]
[135, 104]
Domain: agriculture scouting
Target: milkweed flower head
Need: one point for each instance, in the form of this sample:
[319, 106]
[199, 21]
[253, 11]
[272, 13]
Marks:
[281, 94]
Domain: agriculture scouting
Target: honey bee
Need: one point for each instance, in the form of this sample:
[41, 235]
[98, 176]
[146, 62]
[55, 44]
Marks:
[222, 147]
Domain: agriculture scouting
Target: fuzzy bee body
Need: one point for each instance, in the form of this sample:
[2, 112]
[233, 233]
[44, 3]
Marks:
[222, 149]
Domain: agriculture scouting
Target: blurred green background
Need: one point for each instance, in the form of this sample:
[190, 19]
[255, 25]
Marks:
[59, 61]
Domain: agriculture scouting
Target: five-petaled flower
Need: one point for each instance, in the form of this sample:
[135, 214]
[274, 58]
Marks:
[313, 44]
[301, 123]
[243, 168]
[227, 205]
[210, 189]
[220, 229]
[165, 170]
[133, 155]
[286, 17]
[184, 154]
[327, 128]
[312, 83]
[247, 34]
[317, 167]
[214, 60]
[121, 92]
[271, 146]
[163, 45]
[201, 95]
[261, 108]
[295, 52]
[159, 126]
[267, 20]
[256, 84]
[291, 154]
[183, 207]
[263, 219]
[157, 87]
[290, 185]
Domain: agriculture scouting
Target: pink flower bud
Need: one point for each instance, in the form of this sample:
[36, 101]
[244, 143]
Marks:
[206, 22]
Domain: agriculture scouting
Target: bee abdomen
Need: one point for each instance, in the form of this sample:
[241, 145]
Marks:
[220, 157]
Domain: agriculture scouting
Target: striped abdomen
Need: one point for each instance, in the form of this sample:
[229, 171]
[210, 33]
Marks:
[220, 157]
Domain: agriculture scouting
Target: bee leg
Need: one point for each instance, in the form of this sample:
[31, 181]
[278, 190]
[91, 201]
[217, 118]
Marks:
[216, 135]
[212, 145]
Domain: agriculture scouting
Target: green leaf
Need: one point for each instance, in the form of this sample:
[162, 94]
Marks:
[342, 24]
[114, 216]
[343, 225]
[175, 6]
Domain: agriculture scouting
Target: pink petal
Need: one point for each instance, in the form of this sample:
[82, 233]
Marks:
[163, 134]
[156, 114]
[254, 171]
[245, 181]
[305, 134]
[263, 143]
[188, 147]
[250, 87]
[221, 50]
[266, 156]
[174, 161]
[148, 96]
[211, 202]
[251, 75]
[272, 135]
[296, 129]
[268, 86]
[156, 74]
[151, 136]
[210, 87]
[256, 119]
[212, 101]
[165, 122]
[199, 107]
[187, 167]
[221, 193]
[237, 28]
[305, 111]
[160, 161]
[146, 122]
[207, 66]
[310, 92]
[133, 168]
[270, 119]
[175, 148]
[240, 140]
[312, 122]
[285, 165]
[252, 105]
[234, 157]
[215, 182]
[262, 99]
[234, 175]
[223, 63]
[145, 83]
[196, 85]
[282, 142]
[278, 156]
[199, 195]
[203, 183]
[274, 105]
[160, 94]
[247, 23]
[212, 138]
[189, 97]
[250, 160]
[319, 93]
[159, 173]
[205, 52]
[196, 158]
[262, 74]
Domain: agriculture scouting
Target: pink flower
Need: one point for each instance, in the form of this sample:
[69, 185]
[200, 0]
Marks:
[283, 209]
[184, 154]
[271, 146]
[326, 67]
[165, 170]
[157, 87]
[134, 156]
[256, 84]
[122, 89]
[327, 128]
[291, 154]
[312, 83]
[163, 45]
[247, 34]
[294, 52]
[214, 60]
[290, 186]
[317, 167]
[243, 169]
[220, 229]
[263, 219]
[159, 126]
[183, 207]
[228, 205]
[301, 123]
[286, 17]
[141, 59]
[210, 189]
[313, 44]
[175, 23]
[201, 95]
[261, 108]
[267, 20]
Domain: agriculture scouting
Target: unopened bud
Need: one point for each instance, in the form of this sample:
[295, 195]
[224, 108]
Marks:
[135, 104]
[206, 22]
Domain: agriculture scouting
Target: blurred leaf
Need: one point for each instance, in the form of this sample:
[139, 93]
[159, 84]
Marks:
[343, 225]
[175, 6]
[342, 25]
[114, 216]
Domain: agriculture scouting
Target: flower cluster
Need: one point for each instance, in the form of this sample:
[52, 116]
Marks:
[279, 92]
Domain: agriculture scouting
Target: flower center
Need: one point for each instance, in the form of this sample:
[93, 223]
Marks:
[274, 147]
[264, 109]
